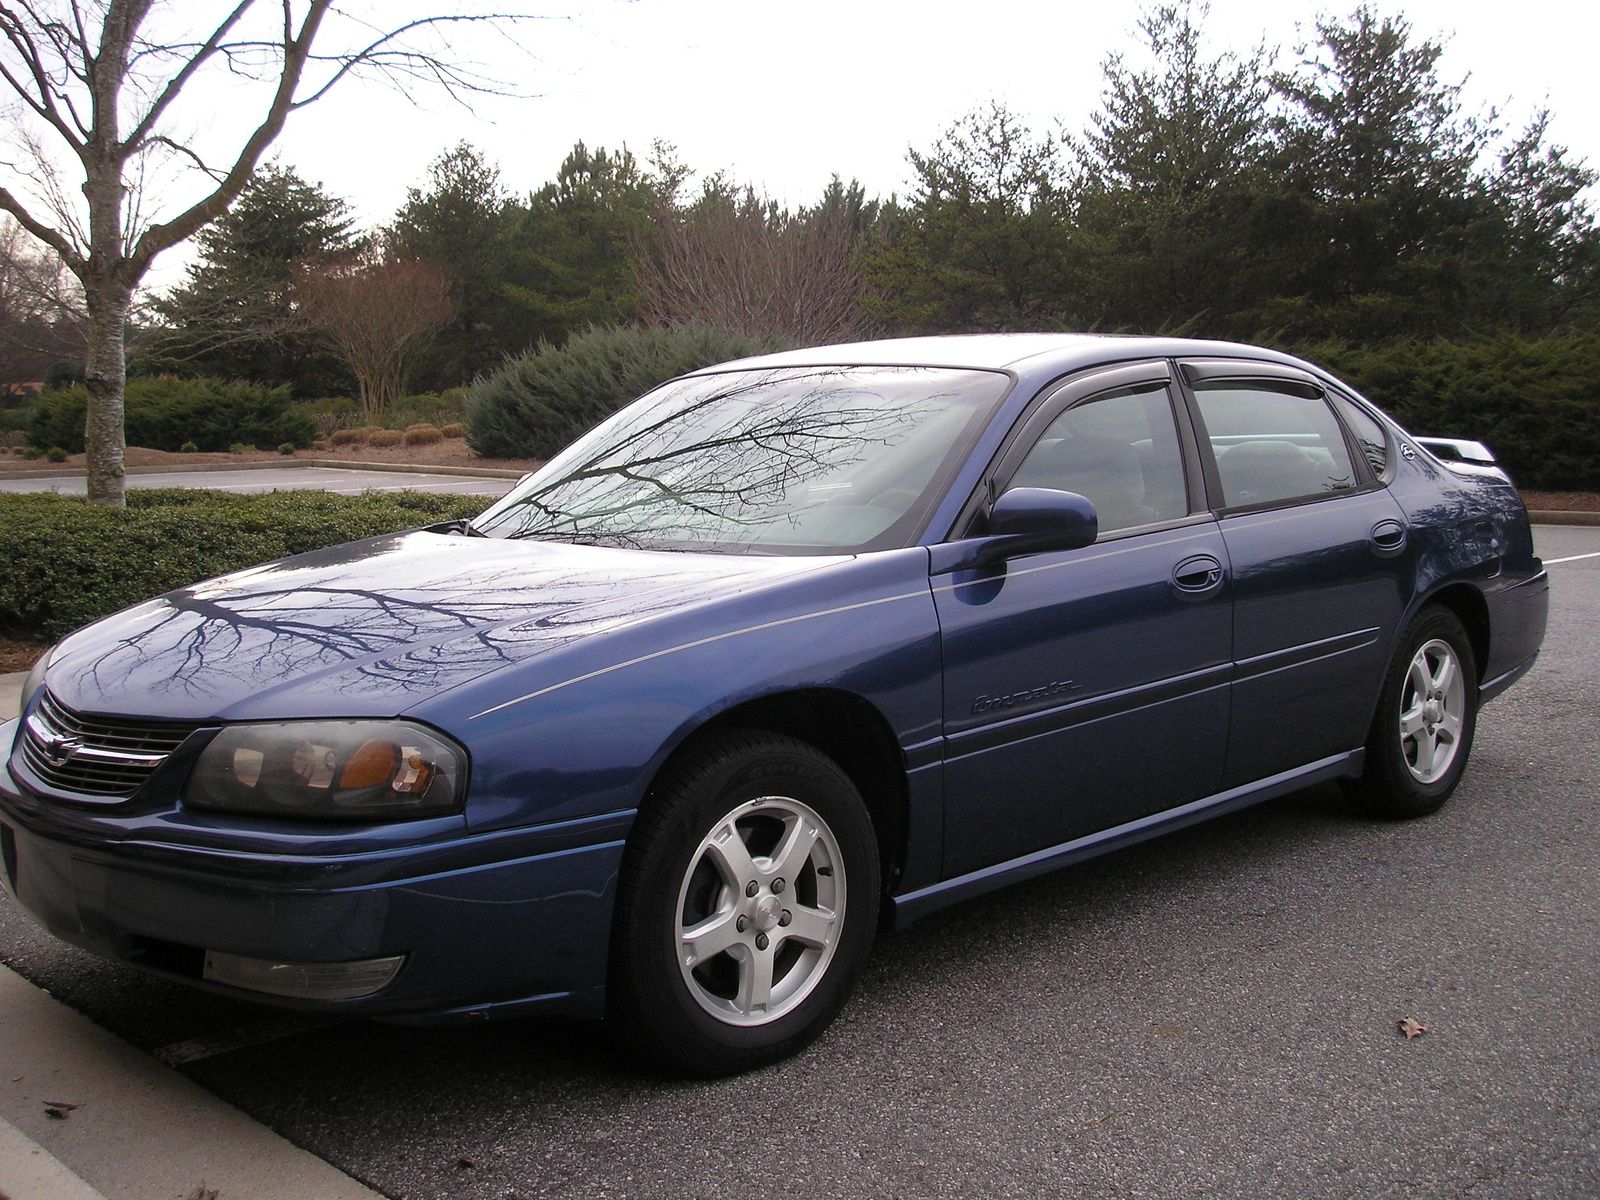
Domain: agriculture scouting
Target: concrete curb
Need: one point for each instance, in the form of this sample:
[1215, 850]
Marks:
[1558, 517]
[30, 1172]
[10, 693]
[284, 464]
[136, 1130]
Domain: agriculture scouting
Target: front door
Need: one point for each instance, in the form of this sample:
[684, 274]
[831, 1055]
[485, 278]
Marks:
[1087, 688]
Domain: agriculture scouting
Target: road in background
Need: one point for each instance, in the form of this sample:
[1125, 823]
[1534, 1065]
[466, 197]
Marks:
[1210, 1014]
[346, 482]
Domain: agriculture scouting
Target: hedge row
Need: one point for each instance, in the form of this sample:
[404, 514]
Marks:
[69, 562]
[1535, 403]
[539, 401]
[164, 413]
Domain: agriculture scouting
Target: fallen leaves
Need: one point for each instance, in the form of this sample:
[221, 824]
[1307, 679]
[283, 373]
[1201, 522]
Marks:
[57, 1110]
[1412, 1028]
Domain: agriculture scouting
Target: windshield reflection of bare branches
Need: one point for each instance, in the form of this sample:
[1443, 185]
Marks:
[745, 460]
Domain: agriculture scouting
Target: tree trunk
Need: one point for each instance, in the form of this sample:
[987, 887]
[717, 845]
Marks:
[106, 374]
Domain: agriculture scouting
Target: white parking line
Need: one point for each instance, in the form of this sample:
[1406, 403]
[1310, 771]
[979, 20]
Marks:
[1550, 562]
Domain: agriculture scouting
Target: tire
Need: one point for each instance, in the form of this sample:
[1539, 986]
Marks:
[760, 848]
[1422, 733]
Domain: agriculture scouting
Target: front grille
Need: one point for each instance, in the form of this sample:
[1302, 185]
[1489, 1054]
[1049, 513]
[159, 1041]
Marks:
[95, 756]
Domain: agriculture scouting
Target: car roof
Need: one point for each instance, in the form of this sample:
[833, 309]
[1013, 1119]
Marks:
[1008, 351]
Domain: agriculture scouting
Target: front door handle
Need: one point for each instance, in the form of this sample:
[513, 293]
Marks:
[1388, 537]
[1197, 575]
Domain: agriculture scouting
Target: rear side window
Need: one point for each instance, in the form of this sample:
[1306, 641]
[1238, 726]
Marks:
[1274, 440]
[1368, 433]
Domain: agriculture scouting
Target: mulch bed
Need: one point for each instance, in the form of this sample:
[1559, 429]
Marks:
[19, 656]
[1562, 501]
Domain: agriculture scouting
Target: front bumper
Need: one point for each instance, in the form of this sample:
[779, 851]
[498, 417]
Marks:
[517, 919]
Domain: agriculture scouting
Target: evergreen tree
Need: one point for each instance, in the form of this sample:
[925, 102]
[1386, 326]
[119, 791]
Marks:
[457, 219]
[1380, 161]
[981, 242]
[234, 314]
[1543, 256]
[1171, 182]
[566, 257]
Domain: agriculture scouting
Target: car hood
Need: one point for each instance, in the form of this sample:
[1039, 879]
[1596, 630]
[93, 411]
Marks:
[373, 628]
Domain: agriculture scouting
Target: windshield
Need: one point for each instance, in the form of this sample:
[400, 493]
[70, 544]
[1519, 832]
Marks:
[797, 460]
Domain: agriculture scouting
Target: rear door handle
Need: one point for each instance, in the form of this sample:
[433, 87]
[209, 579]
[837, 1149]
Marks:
[1388, 537]
[1197, 575]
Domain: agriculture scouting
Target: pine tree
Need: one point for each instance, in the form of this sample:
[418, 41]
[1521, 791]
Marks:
[457, 219]
[1170, 174]
[234, 314]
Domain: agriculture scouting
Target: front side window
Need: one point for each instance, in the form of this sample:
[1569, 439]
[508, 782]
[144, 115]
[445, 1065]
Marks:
[1121, 451]
[794, 460]
[1274, 440]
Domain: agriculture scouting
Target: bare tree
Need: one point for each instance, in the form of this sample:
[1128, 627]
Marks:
[99, 78]
[738, 262]
[378, 315]
[41, 309]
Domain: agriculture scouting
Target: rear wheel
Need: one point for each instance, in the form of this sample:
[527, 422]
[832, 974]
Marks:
[1422, 734]
[747, 905]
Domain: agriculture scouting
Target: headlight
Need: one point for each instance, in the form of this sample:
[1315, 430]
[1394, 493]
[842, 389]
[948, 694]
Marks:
[330, 771]
[34, 682]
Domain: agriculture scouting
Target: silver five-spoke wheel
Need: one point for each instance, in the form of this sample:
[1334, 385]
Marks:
[760, 910]
[1432, 706]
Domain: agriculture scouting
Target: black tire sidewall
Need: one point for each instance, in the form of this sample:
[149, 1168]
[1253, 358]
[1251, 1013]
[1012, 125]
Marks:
[685, 807]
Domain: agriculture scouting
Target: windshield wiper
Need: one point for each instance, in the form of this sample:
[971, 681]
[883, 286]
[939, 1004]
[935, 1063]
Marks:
[461, 525]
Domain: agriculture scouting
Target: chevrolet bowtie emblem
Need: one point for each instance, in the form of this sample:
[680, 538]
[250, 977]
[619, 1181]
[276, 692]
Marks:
[58, 751]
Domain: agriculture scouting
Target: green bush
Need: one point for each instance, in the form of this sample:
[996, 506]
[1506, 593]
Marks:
[56, 454]
[286, 448]
[163, 413]
[1534, 402]
[539, 401]
[188, 448]
[339, 413]
[69, 562]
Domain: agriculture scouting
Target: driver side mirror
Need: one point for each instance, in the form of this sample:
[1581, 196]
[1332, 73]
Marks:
[1024, 520]
[1028, 520]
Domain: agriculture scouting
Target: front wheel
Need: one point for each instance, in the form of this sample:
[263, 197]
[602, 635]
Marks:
[1422, 734]
[747, 905]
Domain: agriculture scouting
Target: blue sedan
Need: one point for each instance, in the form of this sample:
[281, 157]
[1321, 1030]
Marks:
[789, 649]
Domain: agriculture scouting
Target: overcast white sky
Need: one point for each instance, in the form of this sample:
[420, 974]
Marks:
[784, 94]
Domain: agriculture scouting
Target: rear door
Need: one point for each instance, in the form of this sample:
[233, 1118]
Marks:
[1316, 543]
[1086, 688]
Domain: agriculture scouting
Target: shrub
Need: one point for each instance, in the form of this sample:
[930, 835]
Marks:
[453, 430]
[538, 402]
[163, 413]
[346, 437]
[56, 454]
[286, 448]
[1534, 402]
[63, 374]
[241, 448]
[423, 435]
[386, 437]
[70, 562]
[188, 448]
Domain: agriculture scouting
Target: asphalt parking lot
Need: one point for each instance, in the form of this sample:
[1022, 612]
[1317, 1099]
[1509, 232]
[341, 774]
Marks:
[1210, 1014]
[346, 482]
